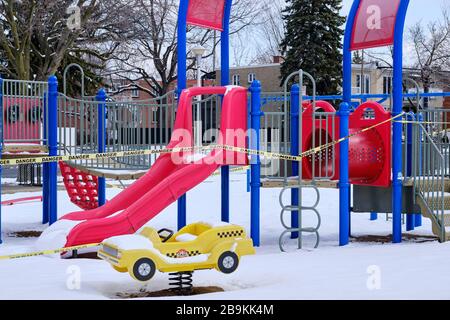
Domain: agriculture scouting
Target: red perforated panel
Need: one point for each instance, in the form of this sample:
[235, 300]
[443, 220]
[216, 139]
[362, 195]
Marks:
[369, 151]
[81, 187]
[374, 24]
[206, 13]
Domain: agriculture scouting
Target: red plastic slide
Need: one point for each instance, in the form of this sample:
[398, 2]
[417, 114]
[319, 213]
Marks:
[167, 180]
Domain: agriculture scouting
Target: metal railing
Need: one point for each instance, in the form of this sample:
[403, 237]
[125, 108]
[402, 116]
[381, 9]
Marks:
[130, 126]
[437, 123]
[429, 171]
[138, 125]
[24, 112]
[323, 163]
[273, 133]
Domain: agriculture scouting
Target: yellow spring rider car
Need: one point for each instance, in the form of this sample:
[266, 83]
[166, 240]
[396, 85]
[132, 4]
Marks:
[195, 247]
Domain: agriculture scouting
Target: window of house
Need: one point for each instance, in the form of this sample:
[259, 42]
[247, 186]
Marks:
[135, 93]
[251, 77]
[387, 85]
[366, 84]
[236, 80]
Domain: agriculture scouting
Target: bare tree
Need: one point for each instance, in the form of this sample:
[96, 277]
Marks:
[38, 36]
[269, 31]
[431, 48]
[152, 56]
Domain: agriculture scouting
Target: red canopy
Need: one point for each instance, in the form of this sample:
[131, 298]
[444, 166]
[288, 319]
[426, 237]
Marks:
[374, 24]
[206, 13]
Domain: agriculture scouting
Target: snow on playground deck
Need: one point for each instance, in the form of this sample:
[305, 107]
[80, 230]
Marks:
[408, 270]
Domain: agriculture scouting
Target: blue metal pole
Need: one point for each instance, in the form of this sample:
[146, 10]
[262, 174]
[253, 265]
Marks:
[347, 58]
[249, 121]
[181, 85]
[1, 151]
[418, 217]
[295, 151]
[373, 216]
[255, 91]
[101, 98]
[344, 181]
[397, 157]
[224, 81]
[344, 114]
[410, 217]
[45, 166]
[52, 118]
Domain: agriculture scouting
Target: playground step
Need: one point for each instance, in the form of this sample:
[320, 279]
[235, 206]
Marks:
[447, 220]
[434, 200]
[293, 181]
[435, 221]
[429, 185]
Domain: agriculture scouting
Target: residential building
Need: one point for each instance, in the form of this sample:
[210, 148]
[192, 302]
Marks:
[268, 74]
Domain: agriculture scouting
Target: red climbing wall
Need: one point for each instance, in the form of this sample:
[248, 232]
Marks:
[81, 187]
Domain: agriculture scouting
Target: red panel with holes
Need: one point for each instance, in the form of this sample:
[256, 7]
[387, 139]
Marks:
[81, 187]
[369, 152]
[22, 119]
[374, 24]
[206, 13]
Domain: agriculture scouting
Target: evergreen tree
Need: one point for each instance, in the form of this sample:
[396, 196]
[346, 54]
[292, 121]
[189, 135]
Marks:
[313, 42]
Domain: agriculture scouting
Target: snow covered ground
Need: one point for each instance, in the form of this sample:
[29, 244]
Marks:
[358, 271]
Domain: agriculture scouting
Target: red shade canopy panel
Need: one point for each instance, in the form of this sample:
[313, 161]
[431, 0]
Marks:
[374, 24]
[206, 13]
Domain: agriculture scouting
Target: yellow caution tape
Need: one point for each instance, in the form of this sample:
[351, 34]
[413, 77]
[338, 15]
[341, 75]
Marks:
[423, 122]
[97, 156]
[47, 252]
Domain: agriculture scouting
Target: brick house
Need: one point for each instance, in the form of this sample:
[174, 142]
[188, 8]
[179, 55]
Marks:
[268, 74]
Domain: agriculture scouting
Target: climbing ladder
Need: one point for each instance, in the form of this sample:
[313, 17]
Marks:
[299, 211]
[298, 208]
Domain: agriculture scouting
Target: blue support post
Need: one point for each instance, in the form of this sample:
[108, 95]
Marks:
[418, 217]
[249, 121]
[101, 134]
[373, 216]
[410, 217]
[45, 166]
[397, 156]
[344, 114]
[181, 85]
[224, 81]
[52, 125]
[295, 151]
[255, 91]
[344, 182]
[1, 152]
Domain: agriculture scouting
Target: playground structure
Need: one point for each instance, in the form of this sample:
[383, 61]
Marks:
[402, 161]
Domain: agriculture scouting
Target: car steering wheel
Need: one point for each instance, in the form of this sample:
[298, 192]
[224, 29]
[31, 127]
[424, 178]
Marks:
[165, 238]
